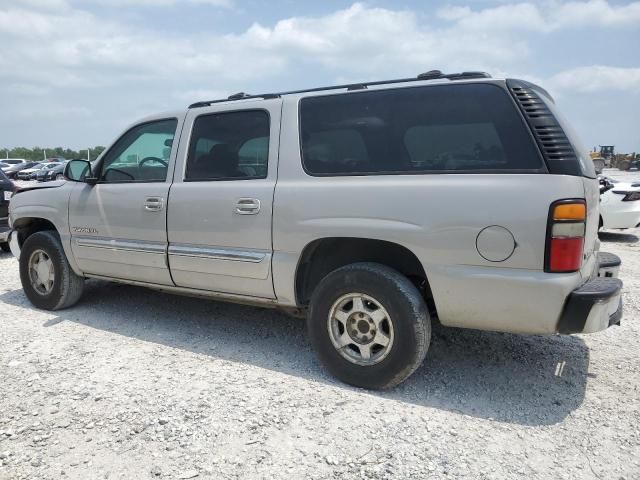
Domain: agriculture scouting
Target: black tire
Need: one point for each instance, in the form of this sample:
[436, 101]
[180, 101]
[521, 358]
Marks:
[5, 247]
[67, 286]
[407, 312]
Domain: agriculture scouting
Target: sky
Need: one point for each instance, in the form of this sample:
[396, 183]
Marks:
[75, 73]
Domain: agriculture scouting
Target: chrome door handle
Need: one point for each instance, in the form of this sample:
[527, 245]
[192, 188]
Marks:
[153, 204]
[247, 206]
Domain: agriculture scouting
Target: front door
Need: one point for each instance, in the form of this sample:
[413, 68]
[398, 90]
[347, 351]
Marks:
[219, 217]
[118, 226]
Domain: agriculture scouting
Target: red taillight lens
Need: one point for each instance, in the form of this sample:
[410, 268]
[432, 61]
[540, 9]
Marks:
[565, 254]
[565, 236]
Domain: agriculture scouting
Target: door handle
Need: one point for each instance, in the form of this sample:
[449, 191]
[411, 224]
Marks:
[248, 206]
[153, 204]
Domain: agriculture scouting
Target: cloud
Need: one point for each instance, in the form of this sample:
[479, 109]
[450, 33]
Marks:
[597, 78]
[543, 17]
[57, 54]
[60, 112]
[368, 40]
[27, 89]
[162, 3]
[356, 40]
[197, 95]
[41, 4]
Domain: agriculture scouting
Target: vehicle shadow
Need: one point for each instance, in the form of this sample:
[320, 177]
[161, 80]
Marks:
[529, 380]
[612, 236]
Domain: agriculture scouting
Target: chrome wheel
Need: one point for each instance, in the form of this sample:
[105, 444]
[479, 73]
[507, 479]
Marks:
[360, 329]
[41, 272]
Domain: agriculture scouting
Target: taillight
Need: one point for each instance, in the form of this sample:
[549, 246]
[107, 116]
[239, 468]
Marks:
[628, 196]
[565, 236]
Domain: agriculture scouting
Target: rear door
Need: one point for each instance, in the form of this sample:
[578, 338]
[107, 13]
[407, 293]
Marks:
[219, 216]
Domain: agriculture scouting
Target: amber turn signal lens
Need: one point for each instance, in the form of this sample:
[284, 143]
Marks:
[570, 211]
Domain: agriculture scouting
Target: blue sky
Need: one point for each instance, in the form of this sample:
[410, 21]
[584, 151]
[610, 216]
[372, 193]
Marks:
[76, 72]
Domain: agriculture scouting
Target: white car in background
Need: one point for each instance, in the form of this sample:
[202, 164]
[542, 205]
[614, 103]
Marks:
[619, 204]
[10, 162]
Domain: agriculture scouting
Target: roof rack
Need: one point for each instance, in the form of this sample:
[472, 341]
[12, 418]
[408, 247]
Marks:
[430, 75]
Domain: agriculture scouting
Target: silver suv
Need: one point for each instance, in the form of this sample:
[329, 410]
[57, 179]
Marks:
[373, 209]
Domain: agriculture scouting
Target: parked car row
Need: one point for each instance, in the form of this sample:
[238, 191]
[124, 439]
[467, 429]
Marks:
[7, 189]
[20, 169]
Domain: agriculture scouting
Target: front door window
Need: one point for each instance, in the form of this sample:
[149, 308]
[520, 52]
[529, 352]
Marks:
[140, 155]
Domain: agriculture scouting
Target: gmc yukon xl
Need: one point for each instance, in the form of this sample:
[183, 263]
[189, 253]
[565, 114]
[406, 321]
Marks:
[373, 209]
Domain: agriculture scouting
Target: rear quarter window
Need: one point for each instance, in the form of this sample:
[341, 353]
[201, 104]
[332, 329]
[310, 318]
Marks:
[445, 128]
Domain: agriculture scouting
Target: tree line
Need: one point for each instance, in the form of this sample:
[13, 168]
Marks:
[40, 153]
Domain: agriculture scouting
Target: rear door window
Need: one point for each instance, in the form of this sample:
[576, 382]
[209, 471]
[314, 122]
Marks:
[229, 146]
[444, 128]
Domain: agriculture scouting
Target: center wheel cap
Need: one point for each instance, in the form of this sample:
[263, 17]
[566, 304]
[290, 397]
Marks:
[363, 326]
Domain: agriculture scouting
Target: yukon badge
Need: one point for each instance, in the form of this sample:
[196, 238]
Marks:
[84, 230]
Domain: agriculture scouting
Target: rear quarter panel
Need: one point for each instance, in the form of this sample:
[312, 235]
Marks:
[438, 217]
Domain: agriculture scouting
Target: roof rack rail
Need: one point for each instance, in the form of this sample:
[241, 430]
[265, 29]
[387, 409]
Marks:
[430, 75]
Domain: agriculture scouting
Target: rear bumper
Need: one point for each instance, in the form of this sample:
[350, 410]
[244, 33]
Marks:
[5, 230]
[597, 304]
[4, 234]
[608, 264]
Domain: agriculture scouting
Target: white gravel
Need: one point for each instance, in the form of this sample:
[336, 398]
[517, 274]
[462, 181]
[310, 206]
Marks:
[137, 384]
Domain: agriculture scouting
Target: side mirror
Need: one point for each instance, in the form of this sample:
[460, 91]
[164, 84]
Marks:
[79, 171]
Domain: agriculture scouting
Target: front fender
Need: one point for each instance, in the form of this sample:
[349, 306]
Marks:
[40, 209]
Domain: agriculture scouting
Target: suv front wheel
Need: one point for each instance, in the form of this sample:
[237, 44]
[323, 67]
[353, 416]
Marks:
[369, 325]
[46, 276]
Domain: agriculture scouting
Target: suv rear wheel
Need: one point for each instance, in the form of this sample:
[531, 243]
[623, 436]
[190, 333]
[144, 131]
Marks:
[46, 276]
[369, 325]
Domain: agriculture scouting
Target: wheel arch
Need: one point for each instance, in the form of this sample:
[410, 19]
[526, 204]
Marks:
[27, 226]
[324, 255]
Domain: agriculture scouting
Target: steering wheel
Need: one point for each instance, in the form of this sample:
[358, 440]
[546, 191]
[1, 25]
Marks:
[153, 159]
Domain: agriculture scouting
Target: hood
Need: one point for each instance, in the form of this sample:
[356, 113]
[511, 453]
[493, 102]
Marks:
[53, 184]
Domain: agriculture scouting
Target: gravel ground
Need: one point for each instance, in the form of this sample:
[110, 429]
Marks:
[132, 383]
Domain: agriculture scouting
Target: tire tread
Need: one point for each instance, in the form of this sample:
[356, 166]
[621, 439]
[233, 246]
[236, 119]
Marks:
[72, 285]
[420, 320]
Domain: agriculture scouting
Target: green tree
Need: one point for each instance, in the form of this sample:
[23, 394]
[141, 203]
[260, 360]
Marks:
[37, 154]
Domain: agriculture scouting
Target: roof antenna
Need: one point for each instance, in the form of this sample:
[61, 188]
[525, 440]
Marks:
[430, 75]
[238, 96]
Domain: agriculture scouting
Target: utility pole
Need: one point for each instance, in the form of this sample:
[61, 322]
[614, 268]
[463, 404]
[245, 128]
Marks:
[88, 154]
[44, 154]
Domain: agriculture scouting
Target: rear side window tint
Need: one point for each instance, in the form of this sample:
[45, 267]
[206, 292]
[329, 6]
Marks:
[229, 146]
[584, 160]
[448, 128]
